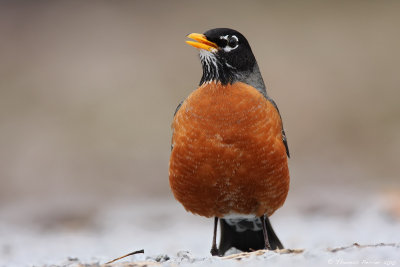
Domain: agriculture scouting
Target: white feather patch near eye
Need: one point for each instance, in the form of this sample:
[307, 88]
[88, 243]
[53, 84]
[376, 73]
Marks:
[227, 48]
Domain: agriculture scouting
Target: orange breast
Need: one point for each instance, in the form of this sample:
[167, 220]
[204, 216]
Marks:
[228, 155]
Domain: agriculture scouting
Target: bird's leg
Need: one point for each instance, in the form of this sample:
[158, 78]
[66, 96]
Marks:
[214, 249]
[264, 227]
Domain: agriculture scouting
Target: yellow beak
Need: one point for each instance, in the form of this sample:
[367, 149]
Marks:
[202, 42]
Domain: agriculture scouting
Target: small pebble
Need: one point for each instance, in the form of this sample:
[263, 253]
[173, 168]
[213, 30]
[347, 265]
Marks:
[162, 258]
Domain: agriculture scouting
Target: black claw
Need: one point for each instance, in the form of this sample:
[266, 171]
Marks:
[214, 252]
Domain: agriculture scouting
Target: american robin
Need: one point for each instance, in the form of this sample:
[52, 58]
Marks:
[229, 150]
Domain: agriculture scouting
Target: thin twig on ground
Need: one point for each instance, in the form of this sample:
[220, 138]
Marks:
[243, 255]
[356, 245]
[127, 255]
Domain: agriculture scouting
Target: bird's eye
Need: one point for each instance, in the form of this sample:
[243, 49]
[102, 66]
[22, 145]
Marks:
[233, 41]
[229, 43]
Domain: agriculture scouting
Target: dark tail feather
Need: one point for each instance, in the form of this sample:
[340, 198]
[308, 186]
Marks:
[248, 240]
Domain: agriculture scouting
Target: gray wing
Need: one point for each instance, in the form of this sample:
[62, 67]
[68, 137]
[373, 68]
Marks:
[178, 107]
[284, 140]
[176, 110]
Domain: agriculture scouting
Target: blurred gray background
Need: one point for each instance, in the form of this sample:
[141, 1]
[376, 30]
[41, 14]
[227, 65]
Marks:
[88, 90]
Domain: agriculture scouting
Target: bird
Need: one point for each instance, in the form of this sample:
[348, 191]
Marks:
[229, 152]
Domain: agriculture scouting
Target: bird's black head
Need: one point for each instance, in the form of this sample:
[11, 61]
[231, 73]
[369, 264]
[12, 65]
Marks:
[226, 56]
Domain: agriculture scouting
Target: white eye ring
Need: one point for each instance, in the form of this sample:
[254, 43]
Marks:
[227, 48]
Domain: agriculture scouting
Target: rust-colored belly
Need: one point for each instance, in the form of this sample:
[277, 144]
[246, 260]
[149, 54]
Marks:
[228, 155]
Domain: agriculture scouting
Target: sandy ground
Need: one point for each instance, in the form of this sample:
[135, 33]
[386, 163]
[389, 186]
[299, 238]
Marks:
[325, 231]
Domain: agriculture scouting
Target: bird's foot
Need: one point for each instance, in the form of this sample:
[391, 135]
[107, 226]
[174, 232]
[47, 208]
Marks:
[267, 246]
[214, 251]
